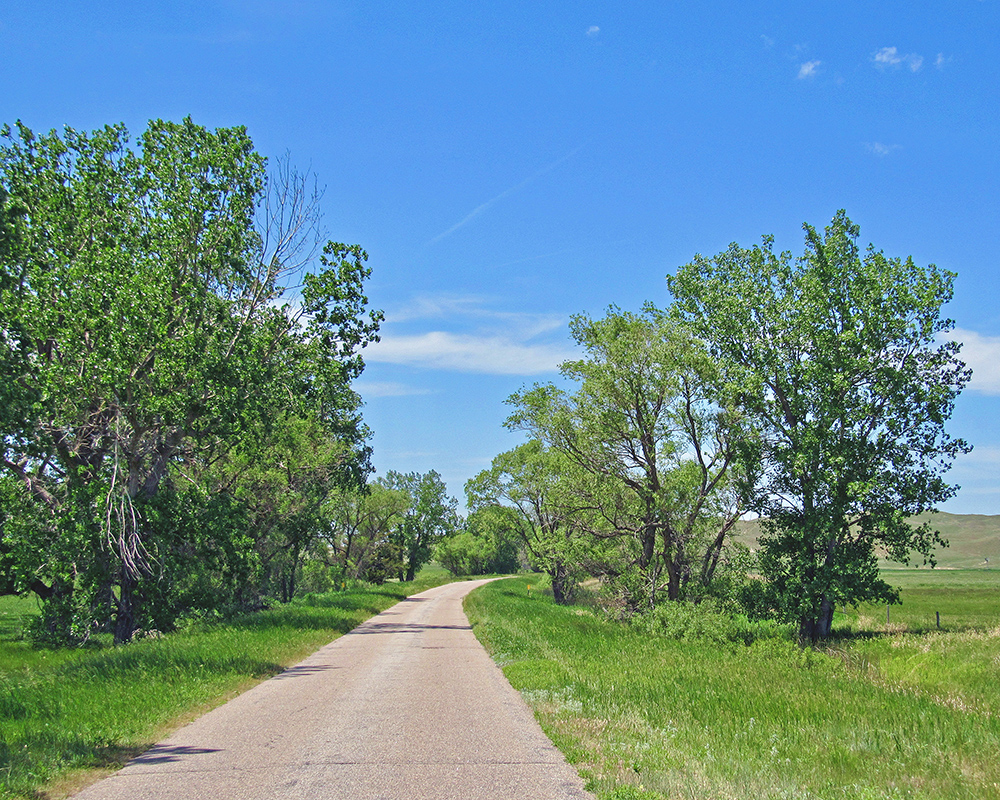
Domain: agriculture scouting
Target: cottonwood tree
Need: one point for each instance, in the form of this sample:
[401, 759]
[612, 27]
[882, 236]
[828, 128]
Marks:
[652, 429]
[528, 487]
[142, 322]
[837, 355]
[360, 523]
[430, 516]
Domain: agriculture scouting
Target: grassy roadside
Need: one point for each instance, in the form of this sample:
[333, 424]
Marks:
[895, 715]
[70, 716]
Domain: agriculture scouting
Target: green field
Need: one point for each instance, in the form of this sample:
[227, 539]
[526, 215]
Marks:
[881, 713]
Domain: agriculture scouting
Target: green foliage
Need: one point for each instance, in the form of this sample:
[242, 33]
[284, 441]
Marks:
[147, 345]
[430, 516]
[360, 522]
[837, 359]
[529, 490]
[652, 437]
[487, 543]
[706, 621]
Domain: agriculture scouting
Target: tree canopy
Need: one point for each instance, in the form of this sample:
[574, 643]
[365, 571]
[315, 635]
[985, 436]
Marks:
[839, 358]
[653, 440]
[158, 303]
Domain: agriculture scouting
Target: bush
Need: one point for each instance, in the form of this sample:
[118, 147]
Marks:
[705, 622]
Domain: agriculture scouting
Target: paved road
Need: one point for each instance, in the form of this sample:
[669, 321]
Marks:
[407, 706]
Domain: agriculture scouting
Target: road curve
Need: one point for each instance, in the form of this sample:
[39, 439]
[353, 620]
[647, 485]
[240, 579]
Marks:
[408, 706]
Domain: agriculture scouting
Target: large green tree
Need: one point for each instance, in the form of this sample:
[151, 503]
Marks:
[158, 302]
[838, 357]
[431, 516]
[530, 489]
[651, 429]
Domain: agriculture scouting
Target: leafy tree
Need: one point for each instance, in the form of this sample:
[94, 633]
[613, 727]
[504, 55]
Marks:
[143, 326]
[487, 542]
[431, 516]
[526, 487]
[837, 356]
[655, 438]
[361, 522]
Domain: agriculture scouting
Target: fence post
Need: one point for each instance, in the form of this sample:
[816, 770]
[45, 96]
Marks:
[938, 615]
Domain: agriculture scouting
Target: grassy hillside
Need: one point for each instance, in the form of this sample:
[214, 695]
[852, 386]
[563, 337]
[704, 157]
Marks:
[973, 539]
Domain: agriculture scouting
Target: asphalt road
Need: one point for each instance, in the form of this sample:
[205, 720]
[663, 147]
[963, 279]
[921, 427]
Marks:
[407, 706]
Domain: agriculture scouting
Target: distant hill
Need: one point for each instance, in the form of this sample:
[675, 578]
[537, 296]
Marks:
[972, 539]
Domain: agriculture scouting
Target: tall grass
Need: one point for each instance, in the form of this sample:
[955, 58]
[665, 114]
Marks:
[95, 708]
[647, 716]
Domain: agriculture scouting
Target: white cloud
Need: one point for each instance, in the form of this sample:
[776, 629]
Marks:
[891, 57]
[879, 149]
[521, 324]
[767, 40]
[940, 61]
[492, 355]
[981, 457]
[808, 69]
[887, 56]
[593, 30]
[387, 389]
[982, 353]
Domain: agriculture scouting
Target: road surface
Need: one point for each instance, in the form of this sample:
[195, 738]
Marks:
[407, 706]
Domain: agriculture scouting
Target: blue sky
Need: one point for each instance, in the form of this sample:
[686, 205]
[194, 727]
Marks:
[506, 165]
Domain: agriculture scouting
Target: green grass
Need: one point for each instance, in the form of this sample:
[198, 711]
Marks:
[964, 598]
[650, 717]
[92, 709]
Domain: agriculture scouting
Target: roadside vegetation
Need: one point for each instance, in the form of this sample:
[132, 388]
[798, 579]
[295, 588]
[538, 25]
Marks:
[185, 472]
[696, 712]
[69, 715]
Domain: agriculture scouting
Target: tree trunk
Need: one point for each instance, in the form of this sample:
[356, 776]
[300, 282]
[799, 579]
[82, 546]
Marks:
[825, 621]
[812, 629]
[560, 579]
[125, 618]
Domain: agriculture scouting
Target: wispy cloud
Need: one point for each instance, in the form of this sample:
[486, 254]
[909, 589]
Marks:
[982, 353]
[593, 30]
[469, 335]
[808, 69]
[521, 324]
[492, 355]
[941, 60]
[484, 206]
[891, 57]
[387, 389]
[879, 149]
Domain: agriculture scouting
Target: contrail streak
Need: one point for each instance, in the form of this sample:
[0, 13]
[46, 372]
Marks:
[483, 207]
